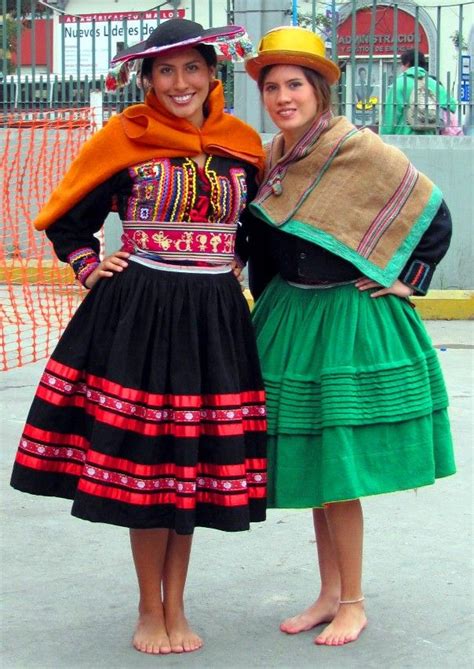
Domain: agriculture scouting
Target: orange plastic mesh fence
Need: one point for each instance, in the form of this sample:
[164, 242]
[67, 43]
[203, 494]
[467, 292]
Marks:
[38, 294]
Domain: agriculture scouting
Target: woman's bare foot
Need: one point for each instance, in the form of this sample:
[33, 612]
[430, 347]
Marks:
[181, 636]
[323, 610]
[347, 625]
[151, 635]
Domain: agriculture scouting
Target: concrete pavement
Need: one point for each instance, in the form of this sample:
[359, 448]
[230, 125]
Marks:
[69, 593]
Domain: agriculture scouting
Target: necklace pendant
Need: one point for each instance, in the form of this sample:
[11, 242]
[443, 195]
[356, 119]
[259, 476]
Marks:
[277, 188]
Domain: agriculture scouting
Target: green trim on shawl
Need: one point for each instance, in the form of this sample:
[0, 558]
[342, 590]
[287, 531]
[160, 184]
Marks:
[384, 276]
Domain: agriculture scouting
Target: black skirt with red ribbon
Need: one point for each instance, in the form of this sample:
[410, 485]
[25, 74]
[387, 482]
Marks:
[151, 411]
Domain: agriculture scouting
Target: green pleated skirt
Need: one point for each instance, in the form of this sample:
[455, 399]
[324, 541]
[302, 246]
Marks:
[356, 399]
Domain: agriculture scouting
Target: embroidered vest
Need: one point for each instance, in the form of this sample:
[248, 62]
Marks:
[180, 213]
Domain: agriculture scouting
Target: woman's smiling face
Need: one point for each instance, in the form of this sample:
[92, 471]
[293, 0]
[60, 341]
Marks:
[181, 83]
[290, 100]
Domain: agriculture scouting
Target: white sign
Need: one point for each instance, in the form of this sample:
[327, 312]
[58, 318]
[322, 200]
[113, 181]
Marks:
[465, 92]
[465, 67]
[94, 39]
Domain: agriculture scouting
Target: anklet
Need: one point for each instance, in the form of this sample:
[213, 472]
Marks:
[351, 601]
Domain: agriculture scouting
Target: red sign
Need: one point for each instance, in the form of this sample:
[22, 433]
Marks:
[43, 44]
[122, 16]
[384, 33]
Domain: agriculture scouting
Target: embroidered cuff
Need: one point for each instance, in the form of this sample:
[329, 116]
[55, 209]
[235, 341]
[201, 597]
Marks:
[83, 262]
[418, 276]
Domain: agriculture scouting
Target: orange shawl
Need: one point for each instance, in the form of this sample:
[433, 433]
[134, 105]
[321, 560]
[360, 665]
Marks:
[146, 131]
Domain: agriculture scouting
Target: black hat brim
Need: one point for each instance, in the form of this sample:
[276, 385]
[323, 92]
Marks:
[208, 36]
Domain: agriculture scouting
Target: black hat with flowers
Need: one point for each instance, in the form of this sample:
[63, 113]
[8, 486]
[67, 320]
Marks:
[230, 42]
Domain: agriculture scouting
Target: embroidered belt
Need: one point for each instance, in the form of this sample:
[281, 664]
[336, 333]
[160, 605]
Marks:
[181, 241]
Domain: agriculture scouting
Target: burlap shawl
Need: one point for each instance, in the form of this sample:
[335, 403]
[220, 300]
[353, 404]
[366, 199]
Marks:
[146, 131]
[349, 192]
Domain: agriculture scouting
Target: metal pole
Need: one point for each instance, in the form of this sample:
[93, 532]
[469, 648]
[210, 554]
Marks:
[438, 59]
[371, 54]
[313, 16]
[258, 16]
[18, 42]
[460, 43]
[33, 44]
[333, 31]
[353, 63]
[96, 104]
[294, 19]
[395, 59]
[4, 56]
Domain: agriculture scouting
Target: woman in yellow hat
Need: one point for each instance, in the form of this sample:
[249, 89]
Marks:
[355, 396]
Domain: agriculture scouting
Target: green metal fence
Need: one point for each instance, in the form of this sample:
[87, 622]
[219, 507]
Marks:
[48, 60]
[444, 30]
[52, 59]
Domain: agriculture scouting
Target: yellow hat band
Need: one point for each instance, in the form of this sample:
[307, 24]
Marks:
[293, 46]
[292, 39]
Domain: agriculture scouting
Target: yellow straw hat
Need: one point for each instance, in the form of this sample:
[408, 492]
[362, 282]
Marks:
[291, 45]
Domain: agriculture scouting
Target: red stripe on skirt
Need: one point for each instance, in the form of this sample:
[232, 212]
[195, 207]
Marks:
[68, 373]
[207, 497]
[154, 399]
[256, 464]
[169, 469]
[48, 465]
[257, 492]
[254, 490]
[160, 497]
[150, 429]
[56, 438]
[126, 466]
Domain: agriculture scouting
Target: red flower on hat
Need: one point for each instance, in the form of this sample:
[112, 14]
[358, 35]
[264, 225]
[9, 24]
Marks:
[110, 82]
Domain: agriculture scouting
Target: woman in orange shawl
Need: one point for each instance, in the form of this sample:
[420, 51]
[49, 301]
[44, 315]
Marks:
[150, 413]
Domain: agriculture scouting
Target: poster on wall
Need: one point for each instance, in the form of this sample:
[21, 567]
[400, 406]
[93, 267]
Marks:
[89, 41]
[366, 93]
